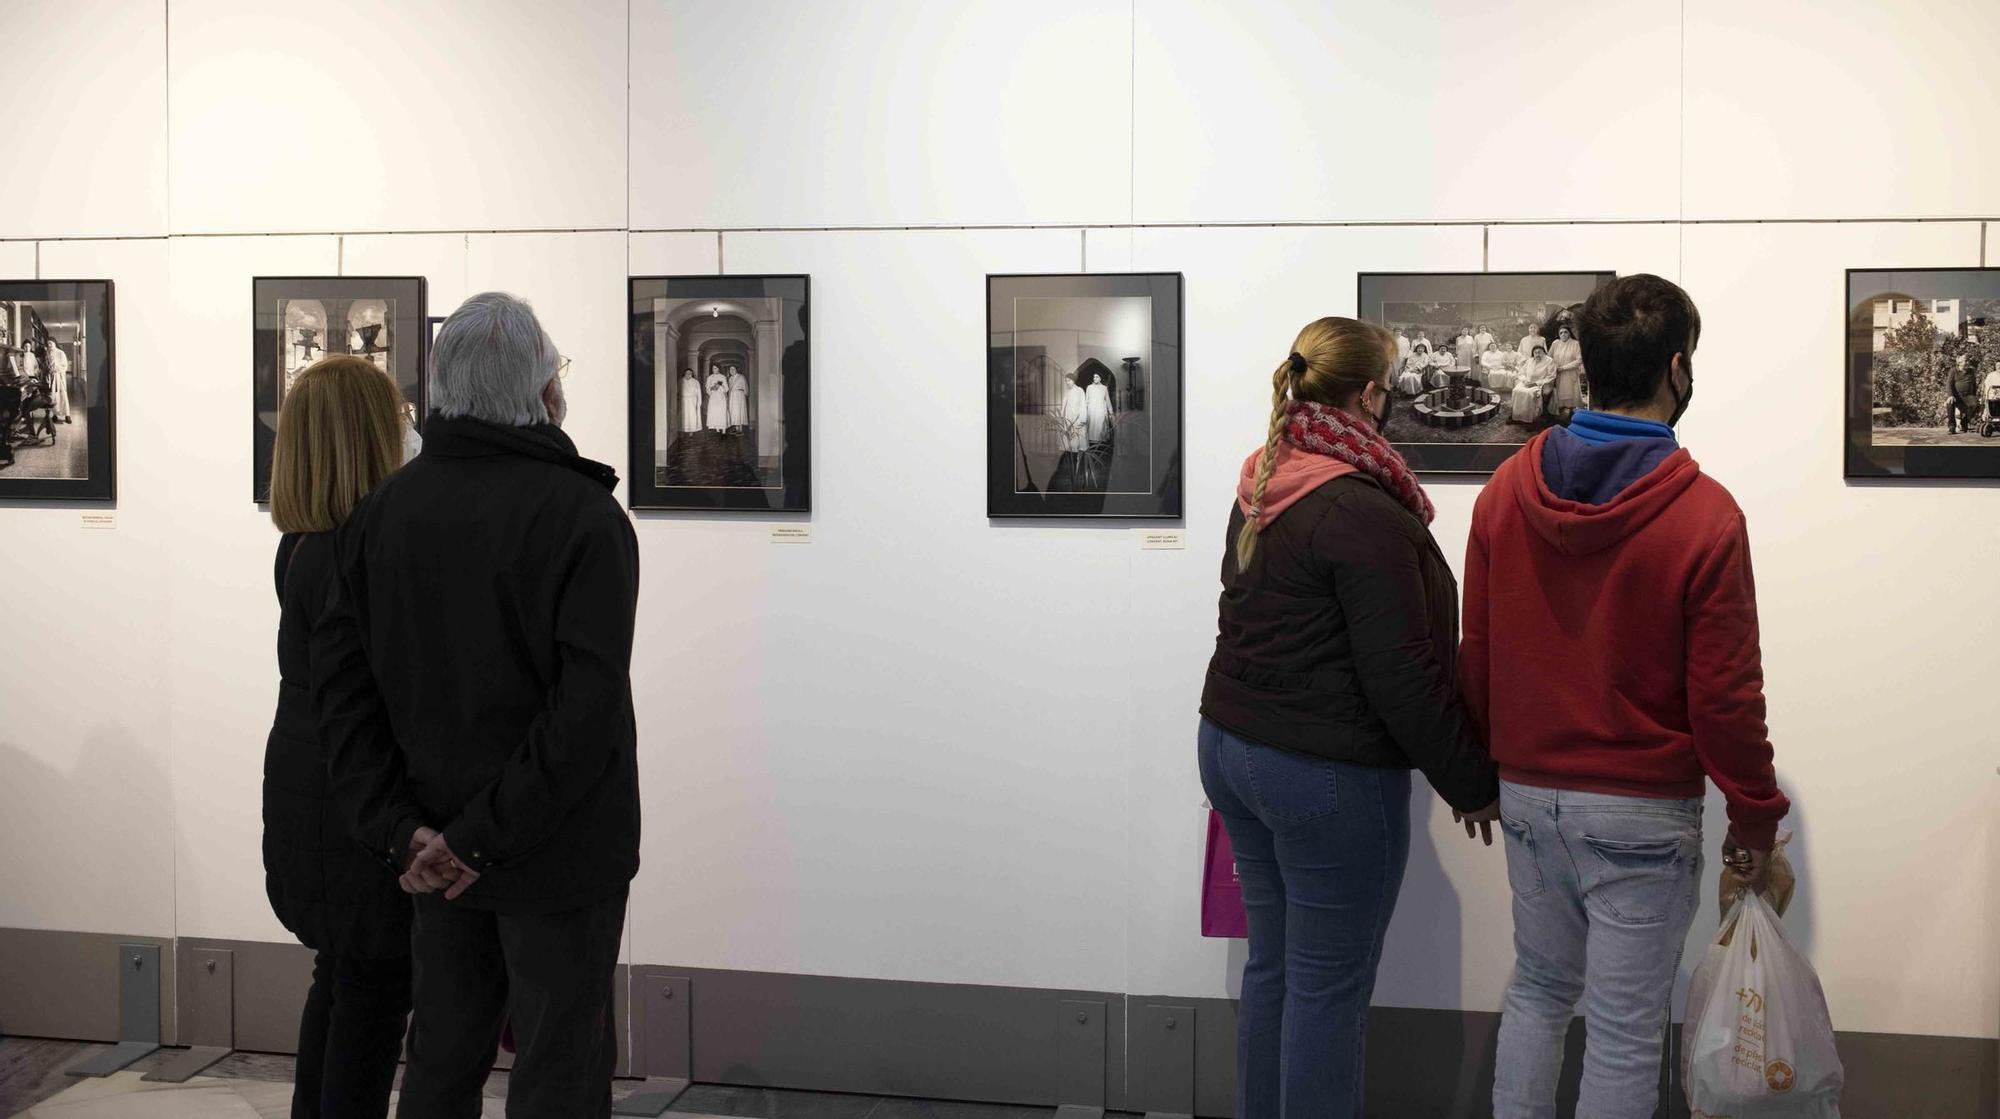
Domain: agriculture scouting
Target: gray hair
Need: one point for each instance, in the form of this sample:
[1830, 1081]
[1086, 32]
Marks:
[491, 362]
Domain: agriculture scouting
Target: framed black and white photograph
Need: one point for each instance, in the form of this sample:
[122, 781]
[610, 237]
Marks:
[1923, 373]
[300, 319]
[1484, 360]
[57, 402]
[1083, 402]
[721, 393]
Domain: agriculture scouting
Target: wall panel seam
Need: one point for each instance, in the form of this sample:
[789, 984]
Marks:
[719, 231]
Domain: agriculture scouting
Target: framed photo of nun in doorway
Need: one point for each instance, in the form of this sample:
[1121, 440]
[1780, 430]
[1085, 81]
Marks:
[1083, 395]
[301, 319]
[720, 373]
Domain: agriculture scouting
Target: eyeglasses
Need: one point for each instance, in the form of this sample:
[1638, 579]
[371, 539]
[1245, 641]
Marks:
[562, 366]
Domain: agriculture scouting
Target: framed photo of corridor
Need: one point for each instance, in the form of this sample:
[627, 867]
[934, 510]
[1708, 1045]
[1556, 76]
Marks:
[720, 377]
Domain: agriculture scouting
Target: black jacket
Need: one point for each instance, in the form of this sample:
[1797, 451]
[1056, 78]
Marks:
[473, 670]
[1341, 641]
[332, 893]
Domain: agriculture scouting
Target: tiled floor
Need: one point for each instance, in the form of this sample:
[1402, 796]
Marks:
[258, 1086]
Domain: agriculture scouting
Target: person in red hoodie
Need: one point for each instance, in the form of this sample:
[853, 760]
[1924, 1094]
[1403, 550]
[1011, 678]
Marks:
[1610, 658]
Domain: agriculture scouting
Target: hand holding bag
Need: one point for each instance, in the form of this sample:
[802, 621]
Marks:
[1222, 912]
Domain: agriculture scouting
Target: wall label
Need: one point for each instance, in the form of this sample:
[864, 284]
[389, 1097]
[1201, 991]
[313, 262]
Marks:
[100, 520]
[791, 534]
[1162, 540]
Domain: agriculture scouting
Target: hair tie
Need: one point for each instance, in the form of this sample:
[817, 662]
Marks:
[1298, 363]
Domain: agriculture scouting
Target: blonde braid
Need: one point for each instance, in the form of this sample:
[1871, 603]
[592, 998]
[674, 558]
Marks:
[1246, 540]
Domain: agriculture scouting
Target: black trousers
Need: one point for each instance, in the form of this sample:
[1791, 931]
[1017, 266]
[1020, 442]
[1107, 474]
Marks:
[1958, 413]
[549, 974]
[350, 1037]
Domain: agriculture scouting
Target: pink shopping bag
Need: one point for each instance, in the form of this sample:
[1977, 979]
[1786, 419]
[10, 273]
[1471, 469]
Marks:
[1221, 890]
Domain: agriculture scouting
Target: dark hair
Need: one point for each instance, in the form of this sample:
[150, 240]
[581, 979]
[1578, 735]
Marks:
[1629, 330]
[1089, 366]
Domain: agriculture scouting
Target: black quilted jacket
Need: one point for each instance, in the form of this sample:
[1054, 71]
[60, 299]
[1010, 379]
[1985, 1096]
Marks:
[1341, 641]
[332, 893]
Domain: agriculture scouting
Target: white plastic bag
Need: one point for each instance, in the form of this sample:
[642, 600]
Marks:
[1758, 1041]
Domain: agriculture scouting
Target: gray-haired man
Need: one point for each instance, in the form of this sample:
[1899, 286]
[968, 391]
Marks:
[472, 672]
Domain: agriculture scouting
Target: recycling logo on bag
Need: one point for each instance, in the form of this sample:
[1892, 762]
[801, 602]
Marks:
[1779, 1076]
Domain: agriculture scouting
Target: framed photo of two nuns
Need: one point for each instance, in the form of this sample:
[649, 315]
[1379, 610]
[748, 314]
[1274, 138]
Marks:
[1083, 395]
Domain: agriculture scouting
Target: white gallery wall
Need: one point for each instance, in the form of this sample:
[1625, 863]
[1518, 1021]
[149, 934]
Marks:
[925, 745]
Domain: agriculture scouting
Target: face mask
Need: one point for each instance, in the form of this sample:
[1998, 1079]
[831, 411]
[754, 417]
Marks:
[1681, 400]
[1388, 405]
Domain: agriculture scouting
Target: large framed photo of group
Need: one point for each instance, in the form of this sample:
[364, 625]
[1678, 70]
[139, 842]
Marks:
[1083, 395]
[301, 319]
[1923, 373]
[1484, 360]
[720, 380]
[57, 406]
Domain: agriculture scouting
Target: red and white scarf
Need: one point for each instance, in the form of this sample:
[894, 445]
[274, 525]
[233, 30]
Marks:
[1326, 430]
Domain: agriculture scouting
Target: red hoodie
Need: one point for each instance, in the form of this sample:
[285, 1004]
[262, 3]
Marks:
[1613, 648]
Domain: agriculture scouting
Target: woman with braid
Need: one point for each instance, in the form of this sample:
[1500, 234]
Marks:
[1333, 677]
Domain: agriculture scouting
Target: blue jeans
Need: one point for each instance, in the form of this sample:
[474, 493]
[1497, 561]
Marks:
[1320, 847]
[1604, 891]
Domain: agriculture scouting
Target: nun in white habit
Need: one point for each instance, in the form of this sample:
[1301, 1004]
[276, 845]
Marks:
[1537, 373]
[1097, 406]
[59, 383]
[718, 400]
[690, 401]
[739, 398]
[1411, 381]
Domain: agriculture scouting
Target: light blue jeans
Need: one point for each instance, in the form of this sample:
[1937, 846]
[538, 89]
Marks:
[1604, 889]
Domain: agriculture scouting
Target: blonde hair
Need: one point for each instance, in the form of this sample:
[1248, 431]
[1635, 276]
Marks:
[339, 435]
[1337, 358]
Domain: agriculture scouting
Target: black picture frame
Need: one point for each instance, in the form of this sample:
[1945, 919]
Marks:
[1471, 457]
[28, 307]
[1042, 461]
[337, 296]
[1913, 443]
[726, 452]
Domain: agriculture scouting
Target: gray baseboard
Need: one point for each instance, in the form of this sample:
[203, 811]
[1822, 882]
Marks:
[888, 1037]
[65, 984]
[1027, 1046]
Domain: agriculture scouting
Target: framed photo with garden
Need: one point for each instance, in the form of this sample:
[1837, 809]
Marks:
[1923, 373]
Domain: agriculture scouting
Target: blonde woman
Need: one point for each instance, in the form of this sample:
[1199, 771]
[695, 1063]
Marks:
[340, 433]
[1333, 677]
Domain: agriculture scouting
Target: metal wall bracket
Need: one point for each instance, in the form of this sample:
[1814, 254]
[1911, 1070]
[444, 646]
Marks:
[138, 1012]
[1163, 1056]
[663, 1028]
[1080, 1032]
[208, 997]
